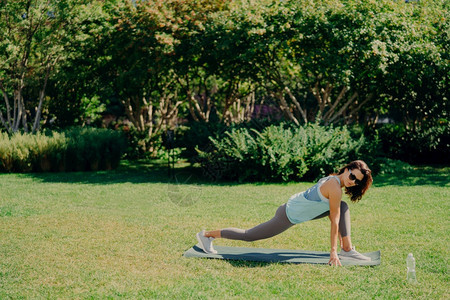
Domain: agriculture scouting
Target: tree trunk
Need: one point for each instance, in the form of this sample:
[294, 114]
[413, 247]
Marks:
[37, 119]
[297, 104]
[285, 107]
[200, 104]
[343, 108]
[6, 123]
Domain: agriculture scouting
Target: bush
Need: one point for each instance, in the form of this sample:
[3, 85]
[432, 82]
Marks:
[197, 135]
[423, 145]
[76, 149]
[282, 153]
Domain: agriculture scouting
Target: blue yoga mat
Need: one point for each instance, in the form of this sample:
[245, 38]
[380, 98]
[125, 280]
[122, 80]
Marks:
[279, 256]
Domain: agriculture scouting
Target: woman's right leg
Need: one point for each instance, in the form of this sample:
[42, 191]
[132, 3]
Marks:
[276, 225]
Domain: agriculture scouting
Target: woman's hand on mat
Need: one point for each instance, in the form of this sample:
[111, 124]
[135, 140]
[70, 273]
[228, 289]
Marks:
[334, 259]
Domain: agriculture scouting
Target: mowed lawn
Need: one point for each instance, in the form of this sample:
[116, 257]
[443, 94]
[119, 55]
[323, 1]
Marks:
[121, 234]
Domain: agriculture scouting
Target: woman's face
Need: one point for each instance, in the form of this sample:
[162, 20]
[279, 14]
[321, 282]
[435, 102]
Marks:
[353, 177]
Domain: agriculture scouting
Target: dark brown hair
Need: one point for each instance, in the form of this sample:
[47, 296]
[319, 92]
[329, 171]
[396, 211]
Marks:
[356, 192]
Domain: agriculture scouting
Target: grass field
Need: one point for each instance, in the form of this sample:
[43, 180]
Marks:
[121, 234]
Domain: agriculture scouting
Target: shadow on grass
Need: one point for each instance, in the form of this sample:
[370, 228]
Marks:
[145, 171]
[249, 264]
[260, 264]
[141, 171]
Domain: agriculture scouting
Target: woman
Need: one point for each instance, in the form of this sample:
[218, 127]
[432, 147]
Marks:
[323, 199]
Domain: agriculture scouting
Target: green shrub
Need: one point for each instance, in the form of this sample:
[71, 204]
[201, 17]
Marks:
[284, 153]
[421, 145]
[76, 149]
[196, 136]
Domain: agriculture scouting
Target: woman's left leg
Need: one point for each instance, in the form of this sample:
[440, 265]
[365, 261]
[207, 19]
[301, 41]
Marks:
[347, 250]
[275, 226]
[344, 226]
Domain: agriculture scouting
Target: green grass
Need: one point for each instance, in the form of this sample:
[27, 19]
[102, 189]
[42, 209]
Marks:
[121, 234]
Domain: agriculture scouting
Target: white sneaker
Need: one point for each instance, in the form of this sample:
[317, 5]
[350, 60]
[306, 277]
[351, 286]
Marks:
[353, 254]
[206, 243]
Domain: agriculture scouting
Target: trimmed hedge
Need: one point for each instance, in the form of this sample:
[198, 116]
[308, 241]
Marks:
[76, 149]
[281, 153]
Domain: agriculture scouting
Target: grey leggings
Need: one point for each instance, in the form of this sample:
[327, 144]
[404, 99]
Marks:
[280, 223]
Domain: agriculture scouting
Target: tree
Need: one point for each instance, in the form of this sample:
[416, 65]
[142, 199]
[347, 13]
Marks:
[414, 53]
[326, 56]
[228, 49]
[34, 35]
[78, 79]
[198, 64]
[138, 64]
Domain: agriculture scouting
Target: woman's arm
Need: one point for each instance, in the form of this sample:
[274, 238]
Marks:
[334, 195]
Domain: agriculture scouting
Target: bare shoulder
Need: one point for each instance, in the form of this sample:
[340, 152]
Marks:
[331, 189]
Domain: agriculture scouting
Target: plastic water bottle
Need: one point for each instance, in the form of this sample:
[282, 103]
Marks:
[411, 266]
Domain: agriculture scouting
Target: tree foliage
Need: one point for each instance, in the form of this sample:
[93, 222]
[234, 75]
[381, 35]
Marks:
[34, 38]
[333, 61]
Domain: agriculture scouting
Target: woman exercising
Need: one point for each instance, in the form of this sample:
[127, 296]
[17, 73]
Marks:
[323, 199]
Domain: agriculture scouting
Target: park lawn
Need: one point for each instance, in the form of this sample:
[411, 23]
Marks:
[121, 234]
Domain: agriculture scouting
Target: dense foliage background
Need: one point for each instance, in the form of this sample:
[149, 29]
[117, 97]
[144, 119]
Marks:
[201, 68]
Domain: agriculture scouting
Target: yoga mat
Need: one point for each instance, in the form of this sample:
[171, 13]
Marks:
[279, 256]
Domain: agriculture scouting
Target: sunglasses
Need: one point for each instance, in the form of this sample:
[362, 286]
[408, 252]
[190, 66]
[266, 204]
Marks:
[352, 177]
